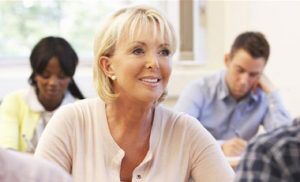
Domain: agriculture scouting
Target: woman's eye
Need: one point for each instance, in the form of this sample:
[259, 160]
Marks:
[62, 77]
[165, 52]
[45, 76]
[138, 51]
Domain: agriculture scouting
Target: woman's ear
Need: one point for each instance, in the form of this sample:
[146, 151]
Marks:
[104, 63]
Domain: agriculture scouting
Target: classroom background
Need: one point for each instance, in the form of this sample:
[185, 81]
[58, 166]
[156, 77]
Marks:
[205, 30]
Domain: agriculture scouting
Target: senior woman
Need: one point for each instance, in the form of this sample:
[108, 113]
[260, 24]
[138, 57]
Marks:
[125, 135]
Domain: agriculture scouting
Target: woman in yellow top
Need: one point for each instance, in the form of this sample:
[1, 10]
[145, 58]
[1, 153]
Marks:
[125, 134]
[25, 113]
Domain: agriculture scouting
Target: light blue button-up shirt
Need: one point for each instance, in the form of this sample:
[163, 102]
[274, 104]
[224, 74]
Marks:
[208, 99]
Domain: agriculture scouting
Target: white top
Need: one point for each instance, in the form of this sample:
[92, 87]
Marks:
[79, 140]
[20, 167]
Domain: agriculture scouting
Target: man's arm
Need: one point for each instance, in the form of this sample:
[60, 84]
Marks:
[191, 101]
[276, 114]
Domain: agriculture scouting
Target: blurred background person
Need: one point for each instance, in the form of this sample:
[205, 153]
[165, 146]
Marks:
[20, 167]
[25, 113]
[232, 104]
[274, 156]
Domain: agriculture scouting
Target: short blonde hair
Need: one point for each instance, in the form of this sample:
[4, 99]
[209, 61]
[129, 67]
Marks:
[131, 22]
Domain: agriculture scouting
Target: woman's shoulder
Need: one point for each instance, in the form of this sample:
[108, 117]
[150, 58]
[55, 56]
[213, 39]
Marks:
[16, 98]
[84, 105]
[172, 114]
[179, 119]
[16, 94]
[79, 111]
[175, 123]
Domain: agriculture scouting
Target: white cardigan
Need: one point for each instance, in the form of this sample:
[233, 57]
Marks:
[79, 140]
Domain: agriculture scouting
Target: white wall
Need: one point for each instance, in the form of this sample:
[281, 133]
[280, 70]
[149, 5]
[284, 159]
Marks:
[280, 22]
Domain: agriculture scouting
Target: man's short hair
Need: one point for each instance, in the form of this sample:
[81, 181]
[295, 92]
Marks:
[254, 43]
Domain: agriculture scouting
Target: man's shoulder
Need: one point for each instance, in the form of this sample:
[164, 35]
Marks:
[208, 82]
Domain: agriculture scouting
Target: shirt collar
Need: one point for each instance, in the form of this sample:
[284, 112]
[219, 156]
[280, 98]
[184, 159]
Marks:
[223, 91]
[34, 104]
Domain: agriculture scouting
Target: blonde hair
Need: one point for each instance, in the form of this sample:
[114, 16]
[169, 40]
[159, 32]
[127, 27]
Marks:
[131, 22]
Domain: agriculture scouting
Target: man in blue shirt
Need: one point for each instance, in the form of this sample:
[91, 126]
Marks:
[233, 103]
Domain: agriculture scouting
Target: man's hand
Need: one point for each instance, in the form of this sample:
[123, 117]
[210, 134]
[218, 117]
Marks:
[234, 147]
[265, 84]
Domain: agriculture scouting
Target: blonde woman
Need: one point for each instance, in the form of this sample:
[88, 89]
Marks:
[125, 135]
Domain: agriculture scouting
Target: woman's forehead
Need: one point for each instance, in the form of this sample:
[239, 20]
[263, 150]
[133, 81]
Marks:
[143, 41]
[144, 34]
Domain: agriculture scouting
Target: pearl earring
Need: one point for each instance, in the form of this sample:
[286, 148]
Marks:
[113, 77]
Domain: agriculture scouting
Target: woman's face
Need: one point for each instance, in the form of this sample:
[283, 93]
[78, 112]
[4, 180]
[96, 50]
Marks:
[52, 83]
[142, 67]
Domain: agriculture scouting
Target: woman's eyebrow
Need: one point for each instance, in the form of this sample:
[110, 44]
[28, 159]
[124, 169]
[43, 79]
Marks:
[164, 45]
[138, 42]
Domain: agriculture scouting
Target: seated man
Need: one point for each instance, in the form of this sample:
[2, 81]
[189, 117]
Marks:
[17, 167]
[233, 103]
[274, 156]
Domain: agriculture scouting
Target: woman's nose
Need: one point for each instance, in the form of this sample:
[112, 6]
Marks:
[152, 61]
[53, 80]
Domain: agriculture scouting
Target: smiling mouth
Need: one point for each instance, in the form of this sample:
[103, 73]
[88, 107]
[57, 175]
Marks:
[150, 80]
[153, 82]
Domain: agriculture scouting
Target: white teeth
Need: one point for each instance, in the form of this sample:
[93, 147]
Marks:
[150, 80]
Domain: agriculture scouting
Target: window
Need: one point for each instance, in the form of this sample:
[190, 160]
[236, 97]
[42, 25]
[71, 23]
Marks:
[192, 31]
[25, 22]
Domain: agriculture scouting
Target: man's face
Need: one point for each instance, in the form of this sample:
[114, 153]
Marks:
[243, 72]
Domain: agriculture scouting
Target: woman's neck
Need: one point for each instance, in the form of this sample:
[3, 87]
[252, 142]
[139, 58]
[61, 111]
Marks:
[129, 116]
[129, 120]
[130, 126]
[49, 105]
